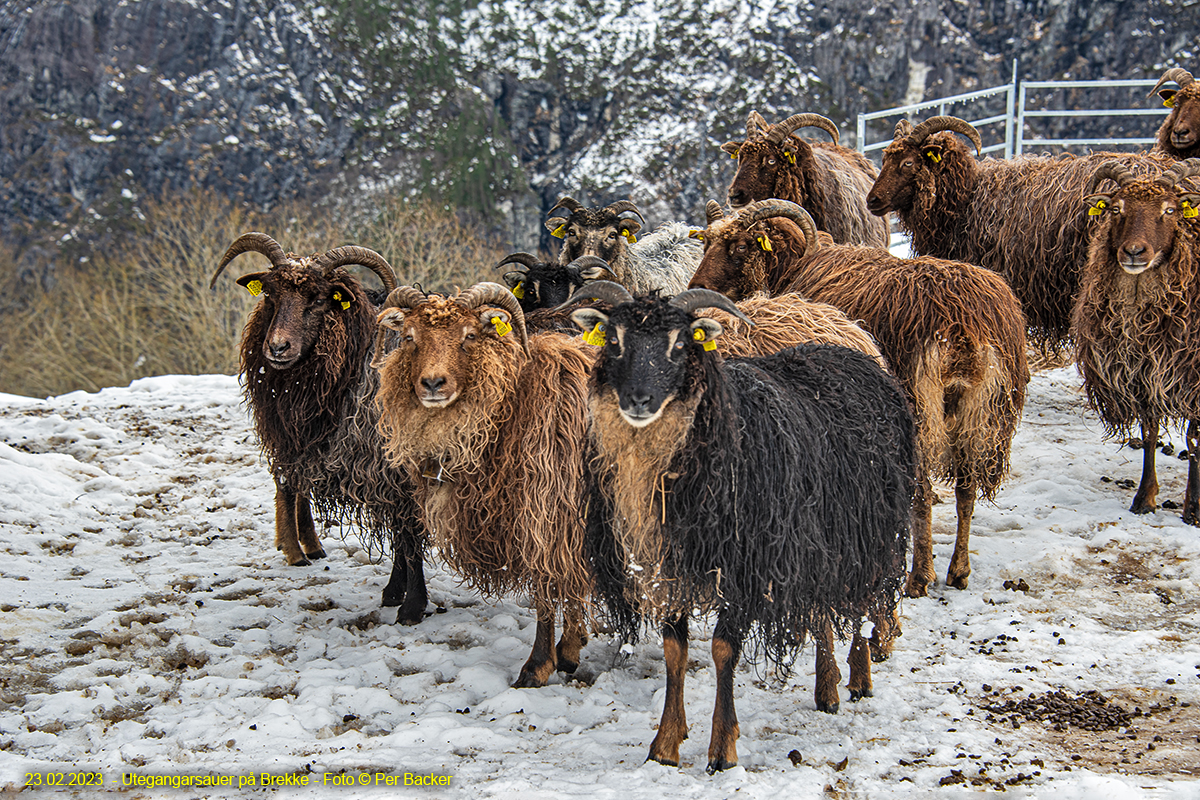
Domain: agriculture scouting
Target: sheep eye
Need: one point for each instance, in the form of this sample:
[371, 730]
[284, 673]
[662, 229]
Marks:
[470, 337]
[771, 161]
[1170, 211]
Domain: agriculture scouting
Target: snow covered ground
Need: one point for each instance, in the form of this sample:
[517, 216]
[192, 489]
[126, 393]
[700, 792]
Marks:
[148, 628]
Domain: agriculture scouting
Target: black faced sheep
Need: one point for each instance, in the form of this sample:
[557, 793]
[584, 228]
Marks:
[1179, 135]
[829, 180]
[1137, 321]
[773, 490]
[491, 426]
[304, 365]
[664, 260]
[951, 332]
[541, 284]
[1015, 217]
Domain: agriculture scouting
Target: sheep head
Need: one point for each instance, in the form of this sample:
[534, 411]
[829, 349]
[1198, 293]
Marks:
[1179, 135]
[767, 154]
[1140, 218]
[743, 252]
[915, 158]
[651, 344]
[301, 296]
[601, 232]
[544, 284]
[442, 339]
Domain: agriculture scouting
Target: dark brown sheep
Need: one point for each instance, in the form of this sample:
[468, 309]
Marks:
[1015, 217]
[1137, 321]
[829, 180]
[304, 364]
[1179, 135]
[951, 332]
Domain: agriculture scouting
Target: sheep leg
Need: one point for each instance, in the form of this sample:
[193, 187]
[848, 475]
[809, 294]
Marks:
[860, 668]
[573, 639]
[1191, 498]
[886, 631]
[672, 728]
[306, 532]
[397, 585]
[722, 747]
[828, 674]
[1147, 494]
[960, 562]
[540, 665]
[406, 588]
[922, 574]
[286, 537]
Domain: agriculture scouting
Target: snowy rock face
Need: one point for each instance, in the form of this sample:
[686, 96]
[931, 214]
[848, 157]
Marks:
[521, 101]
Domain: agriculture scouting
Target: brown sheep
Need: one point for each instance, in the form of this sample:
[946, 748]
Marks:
[491, 427]
[1137, 321]
[1179, 135]
[952, 333]
[1015, 217]
[829, 180]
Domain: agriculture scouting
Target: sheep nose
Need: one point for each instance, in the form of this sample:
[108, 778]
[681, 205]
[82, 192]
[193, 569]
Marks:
[639, 401]
[279, 348]
[432, 385]
[1134, 250]
[737, 197]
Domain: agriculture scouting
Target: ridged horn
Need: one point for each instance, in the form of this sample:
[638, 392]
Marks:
[353, 254]
[1179, 75]
[691, 299]
[494, 294]
[400, 297]
[713, 211]
[605, 291]
[1110, 170]
[253, 242]
[937, 124]
[781, 130]
[624, 207]
[527, 260]
[903, 129]
[1178, 172]
[766, 209]
[755, 124]
[569, 203]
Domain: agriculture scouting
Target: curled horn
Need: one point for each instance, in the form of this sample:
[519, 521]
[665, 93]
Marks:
[623, 208]
[583, 262]
[766, 209]
[527, 260]
[691, 299]
[569, 203]
[755, 124]
[937, 124]
[903, 129]
[713, 211]
[781, 130]
[353, 254]
[253, 242]
[1180, 170]
[400, 297]
[493, 294]
[605, 291]
[1111, 170]
[1181, 76]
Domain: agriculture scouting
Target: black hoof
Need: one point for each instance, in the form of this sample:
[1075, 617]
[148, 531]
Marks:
[304, 562]
[1143, 508]
[828, 708]
[879, 656]
[528, 680]
[719, 765]
[859, 694]
[1191, 516]
[567, 667]
[314, 555]
[666, 762]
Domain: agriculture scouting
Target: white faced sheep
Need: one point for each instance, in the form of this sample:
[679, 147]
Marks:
[774, 491]
[829, 180]
[1015, 216]
[304, 364]
[490, 423]
[952, 333]
[664, 260]
[1137, 321]
[1179, 135]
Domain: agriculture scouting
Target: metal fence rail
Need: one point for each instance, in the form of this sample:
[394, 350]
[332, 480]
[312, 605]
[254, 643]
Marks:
[1013, 138]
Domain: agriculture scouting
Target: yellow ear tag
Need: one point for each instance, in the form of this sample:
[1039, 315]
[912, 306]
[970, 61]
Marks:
[1189, 211]
[791, 157]
[764, 242]
[1097, 209]
[345, 303]
[734, 154]
[699, 335]
[710, 345]
[696, 234]
[629, 237]
[254, 288]
[560, 231]
[1169, 102]
[502, 327]
[595, 336]
[519, 290]
[934, 157]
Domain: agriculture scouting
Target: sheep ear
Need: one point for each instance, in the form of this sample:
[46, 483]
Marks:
[1189, 206]
[498, 318]
[592, 323]
[733, 148]
[557, 227]
[391, 318]
[933, 152]
[705, 330]
[342, 296]
[514, 279]
[252, 282]
[629, 227]
[1168, 97]
[1097, 203]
